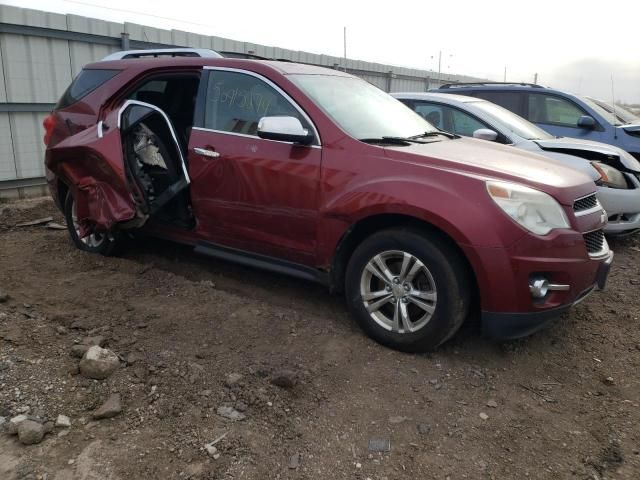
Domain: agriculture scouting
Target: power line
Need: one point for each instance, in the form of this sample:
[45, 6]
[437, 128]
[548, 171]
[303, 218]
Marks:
[135, 12]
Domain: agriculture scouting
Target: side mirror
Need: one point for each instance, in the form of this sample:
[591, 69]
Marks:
[485, 134]
[586, 121]
[284, 129]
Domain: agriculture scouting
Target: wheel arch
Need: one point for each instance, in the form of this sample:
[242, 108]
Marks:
[365, 227]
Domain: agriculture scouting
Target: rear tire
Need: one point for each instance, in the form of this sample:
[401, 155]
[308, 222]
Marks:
[407, 289]
[101, 243]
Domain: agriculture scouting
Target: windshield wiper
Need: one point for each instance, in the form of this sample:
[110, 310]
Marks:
[391, 140]
[406, 140]
[435, 133]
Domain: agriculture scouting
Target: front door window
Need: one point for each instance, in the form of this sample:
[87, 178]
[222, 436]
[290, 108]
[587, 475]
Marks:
[237, 101]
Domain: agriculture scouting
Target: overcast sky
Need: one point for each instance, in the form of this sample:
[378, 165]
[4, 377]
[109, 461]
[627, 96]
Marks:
[572, 45]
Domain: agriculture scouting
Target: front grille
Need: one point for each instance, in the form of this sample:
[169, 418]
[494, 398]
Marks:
[585, 203]
[594, 241]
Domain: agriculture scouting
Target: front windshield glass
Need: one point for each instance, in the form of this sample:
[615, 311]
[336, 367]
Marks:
[621, 113]
[518, 125]
[608, 116]
[360, 109]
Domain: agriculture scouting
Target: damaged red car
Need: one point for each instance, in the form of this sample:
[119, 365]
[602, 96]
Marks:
[315, 173]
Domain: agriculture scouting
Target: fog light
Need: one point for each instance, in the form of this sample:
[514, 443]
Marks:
[538, 287]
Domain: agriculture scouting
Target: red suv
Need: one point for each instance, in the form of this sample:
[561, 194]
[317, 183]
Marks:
[315, 173]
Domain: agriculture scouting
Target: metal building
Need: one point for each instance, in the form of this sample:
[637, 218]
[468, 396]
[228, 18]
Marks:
[41, 52]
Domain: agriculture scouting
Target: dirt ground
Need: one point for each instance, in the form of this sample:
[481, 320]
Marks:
[563, 403]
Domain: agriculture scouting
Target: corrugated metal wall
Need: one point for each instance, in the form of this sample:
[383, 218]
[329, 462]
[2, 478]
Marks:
[40, 53]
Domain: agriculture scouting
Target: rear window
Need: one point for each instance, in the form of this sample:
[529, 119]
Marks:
[86, 82]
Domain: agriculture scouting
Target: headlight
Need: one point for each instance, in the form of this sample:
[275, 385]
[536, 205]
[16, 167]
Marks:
[610, 176]
[534, 210]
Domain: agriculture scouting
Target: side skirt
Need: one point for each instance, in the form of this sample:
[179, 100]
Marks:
[263, 262]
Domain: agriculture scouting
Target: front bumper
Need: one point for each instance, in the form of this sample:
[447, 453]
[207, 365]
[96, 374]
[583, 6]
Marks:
[622, 207]
[507, 326]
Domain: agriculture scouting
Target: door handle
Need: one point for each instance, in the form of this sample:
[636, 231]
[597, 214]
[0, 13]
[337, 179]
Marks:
[206, 153]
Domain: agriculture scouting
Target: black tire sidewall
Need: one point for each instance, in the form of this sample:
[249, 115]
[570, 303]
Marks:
[451, 286]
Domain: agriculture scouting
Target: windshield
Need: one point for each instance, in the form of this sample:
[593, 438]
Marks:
[518, 125]
[608, 116]
[360, 109]
[622, 114]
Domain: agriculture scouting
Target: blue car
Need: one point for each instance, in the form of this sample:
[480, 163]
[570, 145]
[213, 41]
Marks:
[559, 113]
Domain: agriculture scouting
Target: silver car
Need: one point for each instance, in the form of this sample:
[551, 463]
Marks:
[615, 172]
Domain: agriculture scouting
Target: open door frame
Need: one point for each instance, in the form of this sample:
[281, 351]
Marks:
[93, 165]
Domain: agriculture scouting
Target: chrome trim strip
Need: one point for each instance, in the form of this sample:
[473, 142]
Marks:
[558, 287]
[164, 115]
[202, 129]
[278, 89]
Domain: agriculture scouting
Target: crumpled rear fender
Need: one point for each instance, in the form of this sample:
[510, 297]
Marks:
[93, 170]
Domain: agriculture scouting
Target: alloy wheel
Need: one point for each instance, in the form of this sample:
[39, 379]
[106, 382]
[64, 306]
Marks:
[398, 291]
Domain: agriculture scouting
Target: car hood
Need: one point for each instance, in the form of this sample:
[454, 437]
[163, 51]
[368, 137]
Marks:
[573, 161]
[589, 150]
[489, 160]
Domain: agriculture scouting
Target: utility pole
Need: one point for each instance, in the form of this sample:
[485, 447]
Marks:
[345, 48]
[535, 78]
[505, 74]
[432, 57]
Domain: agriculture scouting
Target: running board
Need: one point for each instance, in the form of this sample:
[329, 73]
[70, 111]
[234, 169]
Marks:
[263, 262]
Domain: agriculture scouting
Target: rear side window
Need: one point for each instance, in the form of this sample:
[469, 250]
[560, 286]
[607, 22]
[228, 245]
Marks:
[85, 83]
[513, 101]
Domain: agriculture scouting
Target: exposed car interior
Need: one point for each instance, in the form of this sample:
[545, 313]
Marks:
[151, 159]
[175, 94]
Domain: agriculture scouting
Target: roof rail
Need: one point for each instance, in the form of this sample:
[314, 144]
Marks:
[163, 52]
[470, 84]
[249, 56]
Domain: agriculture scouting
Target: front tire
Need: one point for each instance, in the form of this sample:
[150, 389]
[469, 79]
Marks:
[407, 289]
[100, 243]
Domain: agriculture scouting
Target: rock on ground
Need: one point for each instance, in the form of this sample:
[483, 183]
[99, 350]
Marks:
[79, 350]
[98, 340]
[231, 413]
[233, 379]
[294, 461]
[99, 363]
[30, 432]
[63, 421]
[14, 423]
[108, 409]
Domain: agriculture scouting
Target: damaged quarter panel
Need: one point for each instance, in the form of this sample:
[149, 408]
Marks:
[92, 168]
